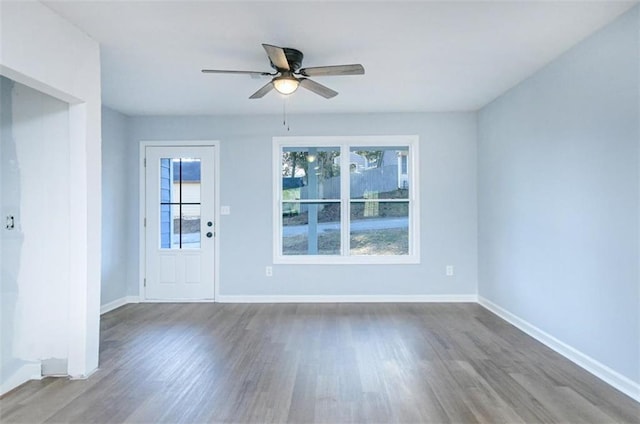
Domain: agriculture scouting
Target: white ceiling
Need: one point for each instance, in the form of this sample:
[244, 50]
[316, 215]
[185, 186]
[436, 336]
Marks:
[418, 56]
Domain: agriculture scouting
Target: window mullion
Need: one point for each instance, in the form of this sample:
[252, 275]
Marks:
[180, 204]
[278, 206]
[345, 194]
[383, 200]
[414, 208]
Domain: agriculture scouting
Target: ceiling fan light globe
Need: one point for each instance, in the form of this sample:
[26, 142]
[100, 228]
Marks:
[285, 85]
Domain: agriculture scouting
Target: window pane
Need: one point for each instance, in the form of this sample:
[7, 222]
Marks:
[175, 218]
[379, 172]
[187, 170]
[165, 180]
[191, 226]
[166, 225]
[310, 173]
[311, 228]
[185, 228]
[175, 177]
[379, 228]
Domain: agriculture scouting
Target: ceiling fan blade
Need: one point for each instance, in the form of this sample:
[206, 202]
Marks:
[264, 90]
[320, 89]
[221, 71]
[277, 56]
[355, 69]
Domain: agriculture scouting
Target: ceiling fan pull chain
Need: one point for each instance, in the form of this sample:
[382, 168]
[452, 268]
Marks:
[285, 123]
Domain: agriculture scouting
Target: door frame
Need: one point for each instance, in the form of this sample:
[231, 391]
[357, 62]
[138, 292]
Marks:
[142, 272]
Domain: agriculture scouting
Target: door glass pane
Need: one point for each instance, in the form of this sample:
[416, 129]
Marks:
[311, 228]
[379, 228]
[166, 188]
[186, 173]
[175, 178]
[310, 173]
[175, 220]
[190, 226]
[379, 172]
[166, 225]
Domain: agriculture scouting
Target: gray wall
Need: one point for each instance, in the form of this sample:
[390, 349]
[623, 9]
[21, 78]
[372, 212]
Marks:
[117, 179]
[448, 198]
[558, 190]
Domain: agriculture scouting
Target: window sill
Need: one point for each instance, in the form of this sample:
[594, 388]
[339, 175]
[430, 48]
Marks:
[347, 260]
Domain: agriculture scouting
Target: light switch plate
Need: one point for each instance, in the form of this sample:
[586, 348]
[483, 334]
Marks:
[225, 210]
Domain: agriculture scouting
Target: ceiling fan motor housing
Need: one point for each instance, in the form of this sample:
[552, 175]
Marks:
[294, 58]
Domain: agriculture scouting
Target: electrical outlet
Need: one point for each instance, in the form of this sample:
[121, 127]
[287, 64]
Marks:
[268, 271]
[449, 270]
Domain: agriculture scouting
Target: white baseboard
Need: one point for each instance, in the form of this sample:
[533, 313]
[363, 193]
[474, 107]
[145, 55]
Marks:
[108, 307]
[177, 301]
[85, 376]
[32, 371]
[611, 377]
[435, 298]
[453, 298]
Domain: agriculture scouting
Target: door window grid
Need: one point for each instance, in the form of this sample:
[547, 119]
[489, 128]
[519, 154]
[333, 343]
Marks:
[173, 207]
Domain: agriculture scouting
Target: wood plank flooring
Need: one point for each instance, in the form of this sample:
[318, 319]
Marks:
[319, 363]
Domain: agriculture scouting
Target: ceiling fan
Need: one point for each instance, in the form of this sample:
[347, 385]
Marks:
[289, 75]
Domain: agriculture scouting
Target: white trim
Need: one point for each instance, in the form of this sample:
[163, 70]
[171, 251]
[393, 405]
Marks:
[346, 260]
[216, 215]
[178, 301]
[606, 374]
[108, 307]
[142, 209]
[31, 371]
[142, 213]
[82, 376]
[344, 143]
[345, 209]
[420, 298]
[356, 140]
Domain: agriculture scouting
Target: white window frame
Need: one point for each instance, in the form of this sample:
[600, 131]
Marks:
[345, 143]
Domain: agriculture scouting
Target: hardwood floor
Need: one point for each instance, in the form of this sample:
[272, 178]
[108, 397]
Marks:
[323, 363]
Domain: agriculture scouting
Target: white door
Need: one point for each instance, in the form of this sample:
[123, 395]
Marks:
[180, 227]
